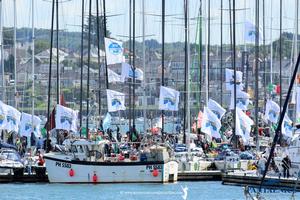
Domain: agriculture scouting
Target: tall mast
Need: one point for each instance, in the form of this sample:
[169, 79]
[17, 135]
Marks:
[207, 50]
[264, 50]
[2, 54]
[163, 10]
[130, 49]
[81, 66]
[15, 53]
[33, 52]
[98, 52]
[221, 54]
[185, 72]
[88, 72]
[271, 44]
[256, 69]
[234, 68]
[50, 71]
[133, 63]
[200, 53]
[187, 27]
[280, 55]
[144, 67]
[57, 56]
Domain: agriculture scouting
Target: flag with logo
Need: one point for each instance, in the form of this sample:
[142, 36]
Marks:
[107, 122]
[113, 51]
[250, 32]
[229, 79]
[113, 77]
[287, 126]
[216, 108]
[210, 123]
[30, 124]
[127, 72]
[13, 119]
[115, 101]
[243, 125]
[66, 118]
[272, 111]
[3, 113]
[168, 99]
[242, 100]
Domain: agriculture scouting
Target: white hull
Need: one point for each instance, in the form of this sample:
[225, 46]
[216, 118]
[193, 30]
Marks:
[58, 169]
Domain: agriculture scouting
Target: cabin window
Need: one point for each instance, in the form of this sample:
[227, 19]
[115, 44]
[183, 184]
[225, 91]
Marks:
[80, 149]
[74, 149]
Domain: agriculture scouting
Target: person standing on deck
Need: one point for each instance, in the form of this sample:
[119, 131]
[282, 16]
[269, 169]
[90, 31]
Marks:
[286, 164]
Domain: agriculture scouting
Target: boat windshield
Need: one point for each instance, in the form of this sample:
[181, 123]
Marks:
[11, 156]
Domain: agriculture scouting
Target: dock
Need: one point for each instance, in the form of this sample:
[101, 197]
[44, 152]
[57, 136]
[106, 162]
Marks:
[213, 175]
[239, 178]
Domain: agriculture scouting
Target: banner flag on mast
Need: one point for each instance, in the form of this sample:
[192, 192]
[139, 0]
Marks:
[168, 99]
[3, 113]
[216, 108]
[13, 119]
[229, 79]
[30, 124]
[272, 111]
[287, 126]
[113, 51]
[242, 100]
[107, 122]
[66, 118]
[113, 77]
[115, 101]
[243, 125]
[210, 123]
[127, 72]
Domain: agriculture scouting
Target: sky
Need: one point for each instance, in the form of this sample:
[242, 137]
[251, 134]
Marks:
[70, 17]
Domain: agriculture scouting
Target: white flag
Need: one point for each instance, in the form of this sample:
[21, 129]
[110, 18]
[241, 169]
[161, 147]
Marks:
[216, 108]
[3, 113]
[210, 123]
[250, 32]
[114, 51]
[66, 118]
[272, 111]
[13, 119]
[298, 104]
[287, 126]
[242, 100]
[26, 124]
[243, 125]
[168, 99]
[114, 77]
[229, 79]
[115, 101]
[127, 72]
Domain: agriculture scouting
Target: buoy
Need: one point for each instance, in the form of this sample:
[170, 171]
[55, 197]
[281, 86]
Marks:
[71, 172]
[95, 178]
[155, 172]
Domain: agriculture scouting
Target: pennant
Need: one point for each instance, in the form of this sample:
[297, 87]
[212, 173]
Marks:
[113, 51]
[210, 123]
[13, 119]
[30, 124]
[242, 100]
[243, 125]
[66, 118]
[168, 99]
[229, 79]
[272, 111]
[107, 122]
[127, 72]
[216, 108]
[113, 77]
[115, 101]
[3, 113]
[287, 126]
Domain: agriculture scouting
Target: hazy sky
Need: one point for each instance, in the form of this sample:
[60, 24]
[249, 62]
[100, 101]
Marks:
[70, 15]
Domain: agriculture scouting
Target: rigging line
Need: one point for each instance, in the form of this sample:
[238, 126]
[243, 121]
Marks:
[88, 68]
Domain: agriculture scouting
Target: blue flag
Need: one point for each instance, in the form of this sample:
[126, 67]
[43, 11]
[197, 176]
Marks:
[107, 122]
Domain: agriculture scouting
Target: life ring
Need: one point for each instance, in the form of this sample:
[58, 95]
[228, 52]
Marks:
[95, 178]
[155, 172]
[71, 172]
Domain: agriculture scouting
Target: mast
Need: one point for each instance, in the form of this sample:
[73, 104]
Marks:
[144, 67]
[256, 69]
[133, 63]
[221, 54]
[280, 55]
[129, 82]
[185, 72]
[207, 51]
[264, 50]
[81, 66]
[98, 52]
[187, 27]
[15, 53]
[234, 68]
[88, 72]
[2, 54]
[33, 52]
[57, 57]
[50, 71]
[271, 45]
[163, 59]
[200, 53]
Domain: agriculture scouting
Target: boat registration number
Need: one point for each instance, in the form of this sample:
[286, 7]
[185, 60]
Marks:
[62, 164]
[150, 167]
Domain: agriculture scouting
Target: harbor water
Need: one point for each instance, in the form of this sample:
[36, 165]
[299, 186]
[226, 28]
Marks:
[176, 191]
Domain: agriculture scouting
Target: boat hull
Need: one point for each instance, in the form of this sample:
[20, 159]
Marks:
[72, 171]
